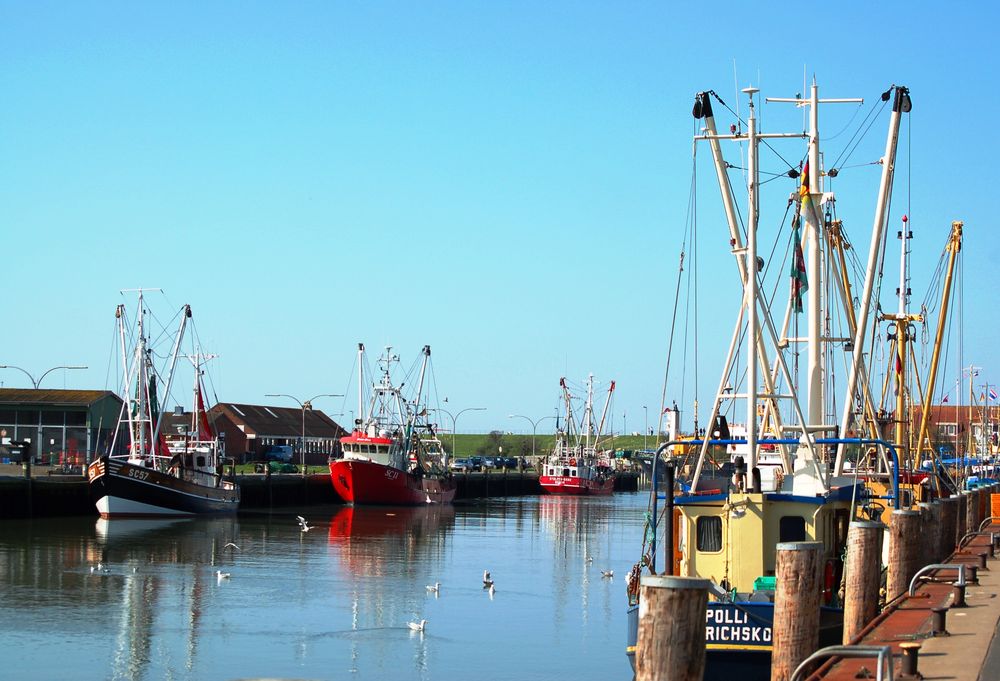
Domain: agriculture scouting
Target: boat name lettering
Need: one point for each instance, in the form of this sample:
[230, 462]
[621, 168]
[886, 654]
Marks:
[138, 474]
[391, 474]
[729, 625]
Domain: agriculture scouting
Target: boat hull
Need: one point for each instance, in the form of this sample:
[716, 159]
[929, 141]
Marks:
[122, 490]
[738, 638]
[576, 486]
[369, 483]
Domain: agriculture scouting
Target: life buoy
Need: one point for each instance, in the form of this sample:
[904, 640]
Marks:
[572, 462]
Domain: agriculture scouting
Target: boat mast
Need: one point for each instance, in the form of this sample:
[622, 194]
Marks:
[588, 412]
[604, 413]
[361, 387]
[751, 288]
[185, 315]
[901, 104]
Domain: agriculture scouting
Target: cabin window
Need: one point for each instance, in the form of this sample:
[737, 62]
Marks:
[791, 528]
[565, 472]
[201, 462]
[709, 533]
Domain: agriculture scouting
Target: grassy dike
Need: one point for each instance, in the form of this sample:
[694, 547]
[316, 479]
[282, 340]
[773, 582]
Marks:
[469, 444]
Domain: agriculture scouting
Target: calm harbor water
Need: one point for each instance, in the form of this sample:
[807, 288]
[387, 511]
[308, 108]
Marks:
[330, 603]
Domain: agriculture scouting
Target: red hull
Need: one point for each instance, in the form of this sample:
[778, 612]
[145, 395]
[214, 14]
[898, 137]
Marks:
[562, 484]
[364, 482]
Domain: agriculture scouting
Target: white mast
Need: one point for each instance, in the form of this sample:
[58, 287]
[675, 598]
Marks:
[361, 386]
[751, 290]
[813, 227]
[901, 104]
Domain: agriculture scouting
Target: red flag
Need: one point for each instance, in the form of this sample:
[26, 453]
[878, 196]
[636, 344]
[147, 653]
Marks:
[205, 431]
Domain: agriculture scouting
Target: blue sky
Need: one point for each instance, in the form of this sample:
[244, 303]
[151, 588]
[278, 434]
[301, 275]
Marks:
[507, 182]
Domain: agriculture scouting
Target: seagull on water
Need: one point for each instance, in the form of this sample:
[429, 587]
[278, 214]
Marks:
[417, 626]
[590, 560]
[434, 588]
[607, 574]
[303, 525]
[492, 591]
[487, 581]
[220, 575]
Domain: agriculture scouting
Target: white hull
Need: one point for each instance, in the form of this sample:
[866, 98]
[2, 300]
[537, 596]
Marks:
[112, 506]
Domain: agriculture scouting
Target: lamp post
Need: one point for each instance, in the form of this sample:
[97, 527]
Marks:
[35, 383]
[454, 424]
[645, 432]
[534, 427]
[304, 405]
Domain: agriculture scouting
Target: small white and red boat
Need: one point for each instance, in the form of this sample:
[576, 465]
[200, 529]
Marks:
[577, 464]
[393, 456]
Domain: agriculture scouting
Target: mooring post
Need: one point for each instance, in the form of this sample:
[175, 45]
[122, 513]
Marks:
[796, 606]
[930, 522]
[949, 520]
[863, 575]
[984, 505]
[671, 638]
[904, 551]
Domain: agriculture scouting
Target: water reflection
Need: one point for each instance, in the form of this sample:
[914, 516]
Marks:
[333, 602]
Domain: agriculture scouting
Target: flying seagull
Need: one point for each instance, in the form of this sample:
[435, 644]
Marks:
[232, 545]
[607, 574]
[303, 525]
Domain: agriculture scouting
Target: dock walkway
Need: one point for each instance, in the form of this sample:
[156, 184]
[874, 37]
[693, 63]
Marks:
[971, 649]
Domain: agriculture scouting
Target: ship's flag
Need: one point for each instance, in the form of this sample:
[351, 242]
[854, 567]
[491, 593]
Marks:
[204, 427]
[945, 399]
[800, 283]
[993, 394]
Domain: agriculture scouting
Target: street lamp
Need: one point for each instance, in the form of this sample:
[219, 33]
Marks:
[454, 424]
[304, 405]
[645, 412]
[35, 383]
[534, 426]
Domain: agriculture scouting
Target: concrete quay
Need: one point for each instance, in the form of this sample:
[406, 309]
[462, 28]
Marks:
[969, 651]
[49, 493]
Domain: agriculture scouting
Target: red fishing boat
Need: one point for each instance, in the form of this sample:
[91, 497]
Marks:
[393, 456]
[577, 464]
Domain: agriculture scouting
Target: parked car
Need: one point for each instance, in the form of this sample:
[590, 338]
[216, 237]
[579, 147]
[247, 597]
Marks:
[476, 463]
[493, 462]
[460, 465]
[510, 462]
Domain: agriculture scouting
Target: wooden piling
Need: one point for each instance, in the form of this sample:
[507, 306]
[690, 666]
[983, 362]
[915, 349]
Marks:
[863, 576]
[930, 523]
[904, 552]
[796, 606]
[671, 638]
[949, 515]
